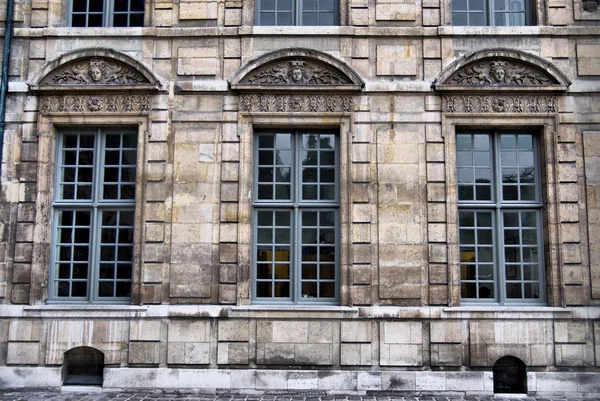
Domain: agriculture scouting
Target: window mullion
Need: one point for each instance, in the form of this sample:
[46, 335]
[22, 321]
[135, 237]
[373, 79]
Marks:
[108, 12]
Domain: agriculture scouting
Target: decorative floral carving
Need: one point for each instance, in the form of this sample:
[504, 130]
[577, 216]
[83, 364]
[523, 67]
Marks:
[499, 72]
[498, 104]
[297, 72]
[95, 71]
[94, 103]
[296, 103]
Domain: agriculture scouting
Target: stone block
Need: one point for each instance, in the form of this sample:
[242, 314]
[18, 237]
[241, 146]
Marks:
[233, 330]
[232, 49]
[154, 232]
[465, 381]
[436, 172]
[198, 10]
[396, 11]
[438, 295]
[432, 48]
[361, 274]
[355, 332]
[313, 354]
[436, 232]
[197, 61]
[22, 273]
[430, 381]
[205, 378]
[359, 16]
[188, 353]
[227, 294]
[401, 355]
[232, 353]
[569, 212]
[337, 380]
[571, 253]
[144, 330]
[233, 16]
[397, 60]
[360, 48]
[588, 59]
[299, 380]
[271, 380]
[22, 353]
[446, 332]
[188, 331]
[24, 331]
[446, 355]
[229, 212]
[570, 232]
[368, 381]
[438, 274]
[431, 17]
[355, 354]
[320, 332]
[398, 381]
[190, 281]
[556, 381]
[243, 379]
[275, 354]
[143, 352]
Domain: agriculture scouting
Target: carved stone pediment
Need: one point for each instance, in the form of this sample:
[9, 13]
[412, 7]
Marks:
[95, 71]
[297, 72]
[501, 70]
[294, 70]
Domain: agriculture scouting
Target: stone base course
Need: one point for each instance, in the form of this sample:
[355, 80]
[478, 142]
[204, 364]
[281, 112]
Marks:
[331, 382]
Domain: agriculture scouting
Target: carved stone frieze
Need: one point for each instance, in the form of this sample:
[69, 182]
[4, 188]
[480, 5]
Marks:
[95, 103]
[297, 72]
[499, 72]
[499, 104]
[95, 71]
[296, 103]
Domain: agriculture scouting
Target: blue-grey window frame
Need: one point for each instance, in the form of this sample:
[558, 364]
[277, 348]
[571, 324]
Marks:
[296, 207]
[490, 13]
[107, 14]
[297, 14]
[59, 204]
[497, 206]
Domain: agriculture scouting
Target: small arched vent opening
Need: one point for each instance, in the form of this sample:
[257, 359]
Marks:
[83, 366]
[510, 376]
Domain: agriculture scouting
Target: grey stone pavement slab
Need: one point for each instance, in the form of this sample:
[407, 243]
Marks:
[15, 395]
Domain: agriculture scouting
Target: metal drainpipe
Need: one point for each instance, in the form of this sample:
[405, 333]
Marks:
[8, 27]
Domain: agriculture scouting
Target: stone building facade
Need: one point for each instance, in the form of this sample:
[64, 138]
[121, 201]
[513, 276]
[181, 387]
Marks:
[390, 201]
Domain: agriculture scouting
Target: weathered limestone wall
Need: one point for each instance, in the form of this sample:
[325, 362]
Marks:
[257, 353]
[400, 300]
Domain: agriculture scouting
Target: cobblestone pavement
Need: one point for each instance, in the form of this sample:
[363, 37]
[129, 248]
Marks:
[176, 396]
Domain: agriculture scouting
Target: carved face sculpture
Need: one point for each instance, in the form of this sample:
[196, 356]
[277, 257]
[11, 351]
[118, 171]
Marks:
[498, 71]
[297, 75]
[94, 71]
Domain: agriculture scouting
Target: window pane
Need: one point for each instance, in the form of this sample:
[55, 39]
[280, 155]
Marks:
[267, 19]
[96, 5]
[284, 19]
[284, 5]
[94, 20]
[477, 5]
[120, 20]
